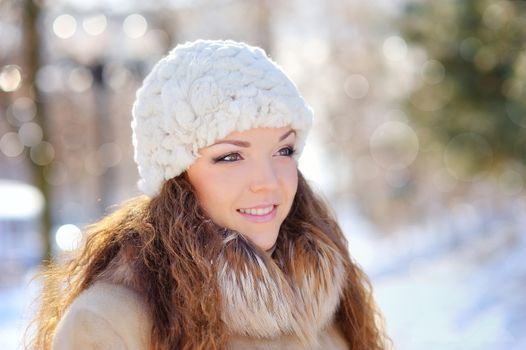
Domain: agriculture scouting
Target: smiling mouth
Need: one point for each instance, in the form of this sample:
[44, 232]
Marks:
[259, 215]
[258, 211]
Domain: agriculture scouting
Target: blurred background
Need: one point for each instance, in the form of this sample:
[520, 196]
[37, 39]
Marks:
[419, 141]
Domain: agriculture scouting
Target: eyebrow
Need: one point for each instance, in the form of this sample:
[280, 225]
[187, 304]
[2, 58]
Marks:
[247, 144]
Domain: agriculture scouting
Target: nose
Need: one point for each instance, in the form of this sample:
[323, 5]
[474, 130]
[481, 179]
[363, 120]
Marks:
[264, 177]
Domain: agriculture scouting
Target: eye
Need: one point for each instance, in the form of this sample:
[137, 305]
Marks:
[232, 157]
[287, 151]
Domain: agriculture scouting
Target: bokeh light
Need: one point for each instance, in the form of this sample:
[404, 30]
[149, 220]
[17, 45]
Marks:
[485, 59]
[10, 78]
[356, 86]
[20, 200]
[135, 26]
[56, 173]
[511, 182]
[394, 145]
[65, 26]
[49, 79]
[95, 25]
[80, 79]
[10, 144]
[116, 76]
[43, 153]
[23, 109]
[30, 134]
[433, 72]
[106, 156]
[394, 48]
[460, 167]
[469, 47]
[68, 237]
[496, 15]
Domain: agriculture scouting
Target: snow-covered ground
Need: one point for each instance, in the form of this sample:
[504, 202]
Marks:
[16, 303]
[441, 292]
[458, 282]
[451, 303]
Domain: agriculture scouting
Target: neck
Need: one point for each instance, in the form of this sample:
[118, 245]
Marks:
[271, 250]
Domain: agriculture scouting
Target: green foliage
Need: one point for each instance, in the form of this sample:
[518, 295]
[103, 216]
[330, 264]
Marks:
[475, 78]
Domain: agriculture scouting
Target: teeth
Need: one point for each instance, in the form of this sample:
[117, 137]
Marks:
[261, 211]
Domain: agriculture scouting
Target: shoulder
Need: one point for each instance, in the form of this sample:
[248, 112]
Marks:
[104, 316]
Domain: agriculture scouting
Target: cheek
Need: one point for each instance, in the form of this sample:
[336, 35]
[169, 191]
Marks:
[210, 195]
[289, 178]
[216, 192]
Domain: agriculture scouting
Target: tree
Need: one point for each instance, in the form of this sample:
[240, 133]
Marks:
[471, 95]
[32, 55]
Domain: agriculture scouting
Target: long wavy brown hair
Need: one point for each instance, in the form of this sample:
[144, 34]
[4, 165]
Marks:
[169, 233]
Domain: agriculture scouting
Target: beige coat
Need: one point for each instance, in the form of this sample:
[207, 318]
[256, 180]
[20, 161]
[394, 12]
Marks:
[108, 316]
[263, 307]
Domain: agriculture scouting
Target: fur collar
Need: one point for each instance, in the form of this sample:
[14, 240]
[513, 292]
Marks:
[294, 292]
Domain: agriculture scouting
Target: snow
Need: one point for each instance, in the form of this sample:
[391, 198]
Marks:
[456, 283]
[443, 304]
[16, 302]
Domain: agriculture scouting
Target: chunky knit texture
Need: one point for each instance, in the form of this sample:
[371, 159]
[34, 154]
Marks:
[201, 92]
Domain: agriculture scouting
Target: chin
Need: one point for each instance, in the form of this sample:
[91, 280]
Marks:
[265, 245]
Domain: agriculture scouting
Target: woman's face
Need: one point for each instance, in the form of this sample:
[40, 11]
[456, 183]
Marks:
[247, 181]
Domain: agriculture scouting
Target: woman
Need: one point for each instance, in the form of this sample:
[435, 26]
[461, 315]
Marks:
[229, 248]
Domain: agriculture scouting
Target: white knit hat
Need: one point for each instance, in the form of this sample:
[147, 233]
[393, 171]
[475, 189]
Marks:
[201, 92]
